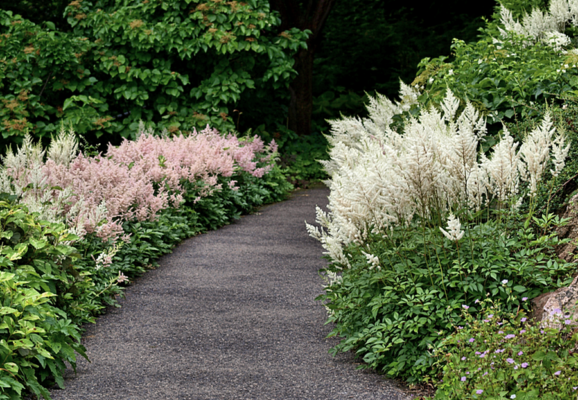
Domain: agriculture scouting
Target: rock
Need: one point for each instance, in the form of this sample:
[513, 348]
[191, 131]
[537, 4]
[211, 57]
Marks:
[549, 307]
[538, 304]
[569, 231]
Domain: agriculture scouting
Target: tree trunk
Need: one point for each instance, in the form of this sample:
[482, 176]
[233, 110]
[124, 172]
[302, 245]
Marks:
[301, 103]
[311, 15]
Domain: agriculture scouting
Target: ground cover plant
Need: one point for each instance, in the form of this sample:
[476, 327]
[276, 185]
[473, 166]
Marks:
[504, 355]
[77, 227]
[421, 224]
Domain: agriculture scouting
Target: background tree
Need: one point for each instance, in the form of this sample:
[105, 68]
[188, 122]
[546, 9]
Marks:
[176, 64]
[310, 15]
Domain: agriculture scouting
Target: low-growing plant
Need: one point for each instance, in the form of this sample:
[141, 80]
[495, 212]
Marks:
[38, 281]
[404, 291]
[505, 355]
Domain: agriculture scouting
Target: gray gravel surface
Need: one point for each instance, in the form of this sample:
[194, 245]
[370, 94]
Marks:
[230, 314]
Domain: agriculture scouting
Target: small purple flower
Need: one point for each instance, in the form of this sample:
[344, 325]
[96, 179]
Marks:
[575, 387]
[465, 307]
[568, 322]
[467, 373]
[482, 355]
[522, 331]
[479, 391]
[524, 319]
[557, 373]
[504, 281]
[479, 369]
[500, 323]
[524, 365]
[542, 331]
[477, 301]
[520, 353]
[463, 358]
[486, 320]
[485, 373]
[463, 378]
[472, 340]
[510, 360]
[501, 332]
[516, 367]
[510, 336]
[524, 298]
[460, 327]
[490, 316]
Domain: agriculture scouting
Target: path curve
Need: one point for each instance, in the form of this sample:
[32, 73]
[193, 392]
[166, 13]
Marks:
[230, 314]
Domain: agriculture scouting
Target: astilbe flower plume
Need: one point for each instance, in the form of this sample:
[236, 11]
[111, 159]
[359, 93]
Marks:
[381, 178]
[96, 194]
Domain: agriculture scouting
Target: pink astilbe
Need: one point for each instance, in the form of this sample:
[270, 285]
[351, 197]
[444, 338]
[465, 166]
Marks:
[135, 181]
[200, 156]
[126, 193]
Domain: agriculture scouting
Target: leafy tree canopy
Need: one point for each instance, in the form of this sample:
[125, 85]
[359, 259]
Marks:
[173, 64]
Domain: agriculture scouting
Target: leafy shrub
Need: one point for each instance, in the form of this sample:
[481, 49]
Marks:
[176, 65]
[38, 272]
[393, 314]
[511, 67]
[504, 355]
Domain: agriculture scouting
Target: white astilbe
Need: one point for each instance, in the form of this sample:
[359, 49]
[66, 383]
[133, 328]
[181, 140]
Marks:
[383, 179]
[557, 40]
[535, 153]
[372, 260]
[63, 148]
[354, 132]
[454, 232]
[27, 156]
[547, 27]
[502, 168]
[559, 154]
[450, 106]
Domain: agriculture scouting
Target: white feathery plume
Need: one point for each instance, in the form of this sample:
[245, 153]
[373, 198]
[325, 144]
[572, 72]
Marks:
[63, 148]
[382, 179]
[372, 260]
[535, 151]
[454, 232]
[559, 154]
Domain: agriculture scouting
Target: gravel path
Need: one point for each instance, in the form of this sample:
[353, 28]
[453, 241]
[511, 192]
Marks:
[228, 315]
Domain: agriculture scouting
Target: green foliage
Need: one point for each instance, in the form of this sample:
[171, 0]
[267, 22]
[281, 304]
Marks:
[174, 64]
[502, 79]
[395, 315]
[301, 157]
[499, 355]
[36, 338]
